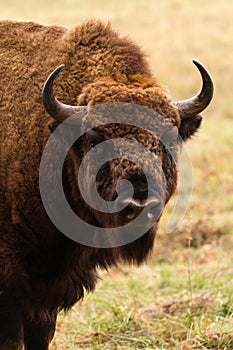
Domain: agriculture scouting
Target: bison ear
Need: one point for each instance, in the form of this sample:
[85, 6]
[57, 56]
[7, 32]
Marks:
[189, 126]
[52, 125]
[66, 133]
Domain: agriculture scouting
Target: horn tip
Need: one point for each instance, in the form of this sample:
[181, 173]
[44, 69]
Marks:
[61, 66]
[197, 63]
[58, 69]
[51, 78]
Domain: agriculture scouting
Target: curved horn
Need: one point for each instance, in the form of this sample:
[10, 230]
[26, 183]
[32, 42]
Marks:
[198, 103]
[56, 109]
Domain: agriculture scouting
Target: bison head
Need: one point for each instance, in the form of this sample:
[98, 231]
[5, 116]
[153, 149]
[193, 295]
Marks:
[133, 132]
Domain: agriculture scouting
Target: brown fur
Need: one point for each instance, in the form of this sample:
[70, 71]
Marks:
[43, 270]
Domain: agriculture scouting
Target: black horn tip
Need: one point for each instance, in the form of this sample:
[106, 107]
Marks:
[57, 71]
[207, 80]
[208, 86]
[53, 76]
[57, 110]
[199, 66]
[197, 63]
[198, 103]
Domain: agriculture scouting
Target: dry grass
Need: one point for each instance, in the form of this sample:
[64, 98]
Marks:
[183, 298]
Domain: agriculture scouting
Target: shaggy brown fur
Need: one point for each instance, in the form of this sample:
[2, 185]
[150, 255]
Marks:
[42, 271]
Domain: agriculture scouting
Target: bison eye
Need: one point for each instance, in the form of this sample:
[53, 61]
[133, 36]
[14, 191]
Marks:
[169, 138]
[93, 138]
[128, 212]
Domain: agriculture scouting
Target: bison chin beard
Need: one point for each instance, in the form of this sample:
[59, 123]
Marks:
[139, 250]
[129, 246]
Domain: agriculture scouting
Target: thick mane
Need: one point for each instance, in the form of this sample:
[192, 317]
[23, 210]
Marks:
[120, 54]
[93, 51]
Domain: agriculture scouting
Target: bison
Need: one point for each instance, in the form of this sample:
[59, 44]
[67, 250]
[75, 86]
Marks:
[42, 271]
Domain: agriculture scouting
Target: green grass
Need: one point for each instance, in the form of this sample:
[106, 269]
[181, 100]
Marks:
[183, 302]
[182, 299]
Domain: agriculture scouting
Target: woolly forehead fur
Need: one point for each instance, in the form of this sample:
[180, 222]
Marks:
[137, 100]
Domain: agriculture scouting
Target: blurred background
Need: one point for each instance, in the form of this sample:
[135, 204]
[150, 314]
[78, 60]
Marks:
[172, 32]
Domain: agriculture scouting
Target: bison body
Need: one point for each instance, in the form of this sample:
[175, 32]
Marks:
[41, 270]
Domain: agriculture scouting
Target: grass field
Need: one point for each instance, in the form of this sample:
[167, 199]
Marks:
[182, 299]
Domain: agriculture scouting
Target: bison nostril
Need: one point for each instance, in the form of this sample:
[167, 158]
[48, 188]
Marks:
[153, 211]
